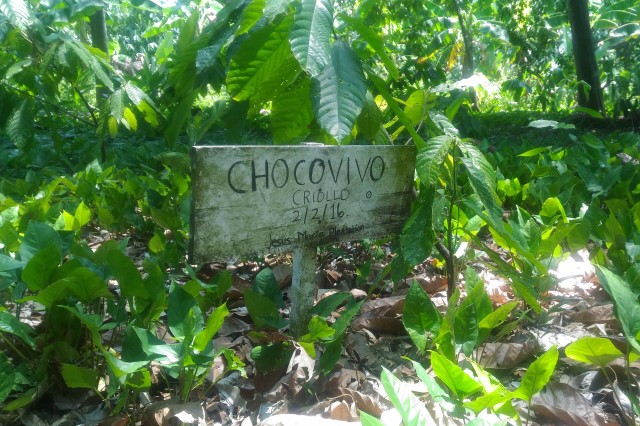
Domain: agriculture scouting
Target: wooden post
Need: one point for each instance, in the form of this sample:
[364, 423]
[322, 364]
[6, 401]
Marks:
[303, 289]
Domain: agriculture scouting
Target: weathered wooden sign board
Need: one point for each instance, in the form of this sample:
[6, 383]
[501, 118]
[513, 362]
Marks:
[252, 200]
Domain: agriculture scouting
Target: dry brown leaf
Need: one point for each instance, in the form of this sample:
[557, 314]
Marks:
[505, 355]
[430, 283]
[560, 403]
[381, 315]
[601, 314]
[342, 410]
[363, 402]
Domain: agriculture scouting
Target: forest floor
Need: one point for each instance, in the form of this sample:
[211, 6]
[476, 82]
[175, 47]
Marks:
[574, 307]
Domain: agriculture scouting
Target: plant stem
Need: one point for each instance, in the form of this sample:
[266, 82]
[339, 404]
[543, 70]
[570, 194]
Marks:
[451, 268]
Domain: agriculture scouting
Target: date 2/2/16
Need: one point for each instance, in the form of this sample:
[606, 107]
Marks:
[320, 214]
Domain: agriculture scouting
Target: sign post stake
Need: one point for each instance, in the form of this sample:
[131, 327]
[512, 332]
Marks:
[303, 285]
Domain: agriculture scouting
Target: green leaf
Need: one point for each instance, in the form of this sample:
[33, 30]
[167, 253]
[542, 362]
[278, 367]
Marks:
[20, 125]
[437, 393]
[214, 322]
[482, 178]
[79, 377]
[311, 35]
[430, 159]
[318, 330]
[250, 15]
[7, 377]
[183, 314]
[10, 324]
[417, 235]
[370, 119]
[263, 311]
[375, 41]
[327, 305]
[494, 319]
[17, 12]
[139, 380]
[272, 357]
[381, 86]
[598, 351]
[338, 92]
[466, 325]
[91, 59]
[341, 324]
[535, 151]
[418, 105]
[292, 113]
[9, 263]
[178, 118]
[412, 410]
[38, 270]
[37, 237]
[590, 112]
[116, 101]
[263, 65]
[266, 284]
[419, 316]
[453, 376]
[127, 275]
[537, 375]
[626, 306]
[369, 420]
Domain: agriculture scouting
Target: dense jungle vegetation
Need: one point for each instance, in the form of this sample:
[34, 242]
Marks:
[511, 296]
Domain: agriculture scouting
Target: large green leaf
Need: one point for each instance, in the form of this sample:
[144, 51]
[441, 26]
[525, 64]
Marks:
[593, 350]
[292, 113]
[92, 59]
[10, 324]
[20, 125]
[7, 377]
[466, 324]
[537, 375]
[381, 86]
[38, 270]
[338, 92]
[626, 306]
[79, 377]
[412, 410]
[430, 159]
[453, 376]
[266, 284]
[370, 119]
[375, 41]
[417, 236]
[127, 275]
[214, 322]
[263, 64]
[482, 178]
[311, 35]
[37, 237]
[183, 314]
[17, 12]
[419, 316]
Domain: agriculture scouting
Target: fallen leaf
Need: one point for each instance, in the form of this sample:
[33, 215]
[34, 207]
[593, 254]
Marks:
[560, 403]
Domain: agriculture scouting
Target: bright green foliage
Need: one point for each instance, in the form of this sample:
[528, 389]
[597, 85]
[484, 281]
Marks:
[627, 308]
[593, 350]
[537, 375]
[411, 409]
[419, 316]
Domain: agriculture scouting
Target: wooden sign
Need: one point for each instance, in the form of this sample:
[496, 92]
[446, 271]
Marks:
[251, 200]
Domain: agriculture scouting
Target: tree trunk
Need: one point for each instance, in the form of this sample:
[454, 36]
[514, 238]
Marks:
[584, 55]
[468, 66]
[99, 40]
